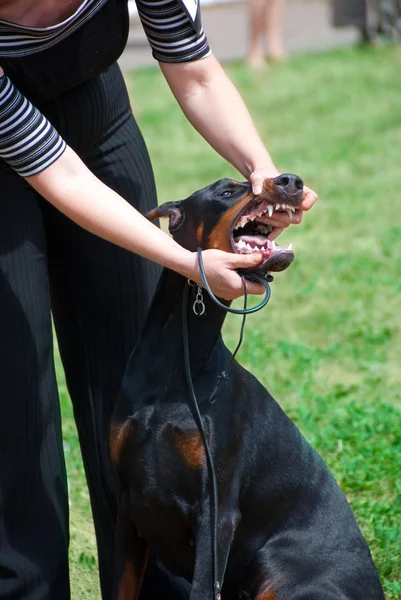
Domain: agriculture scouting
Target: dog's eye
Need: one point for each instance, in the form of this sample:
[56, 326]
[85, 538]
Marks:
[227, 193]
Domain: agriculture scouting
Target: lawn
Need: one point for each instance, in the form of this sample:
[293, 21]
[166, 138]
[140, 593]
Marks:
[328, 344]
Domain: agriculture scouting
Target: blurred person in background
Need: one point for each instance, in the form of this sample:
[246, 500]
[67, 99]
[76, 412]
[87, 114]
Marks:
[266, 24]
[372, 18]
[388, 18]
[352, 13]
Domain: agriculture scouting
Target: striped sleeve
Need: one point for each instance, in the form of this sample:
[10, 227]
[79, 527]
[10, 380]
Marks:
[28, 142]
[170, 32]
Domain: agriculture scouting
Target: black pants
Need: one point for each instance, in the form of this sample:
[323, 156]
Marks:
[98, 295]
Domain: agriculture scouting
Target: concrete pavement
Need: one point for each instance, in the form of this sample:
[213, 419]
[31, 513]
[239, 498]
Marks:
[307, 29]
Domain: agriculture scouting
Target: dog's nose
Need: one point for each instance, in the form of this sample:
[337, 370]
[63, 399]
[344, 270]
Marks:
[291, 183]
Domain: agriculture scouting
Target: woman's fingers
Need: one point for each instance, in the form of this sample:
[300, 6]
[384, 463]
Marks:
[275, 233]
[282, 219]
[308, 200]
[257, 178]
[244, 261]
[221, 272]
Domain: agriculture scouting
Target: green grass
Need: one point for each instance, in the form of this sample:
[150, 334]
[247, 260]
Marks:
[328, 345]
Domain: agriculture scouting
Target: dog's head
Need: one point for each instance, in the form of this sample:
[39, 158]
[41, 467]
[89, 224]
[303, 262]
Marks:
[226, 215]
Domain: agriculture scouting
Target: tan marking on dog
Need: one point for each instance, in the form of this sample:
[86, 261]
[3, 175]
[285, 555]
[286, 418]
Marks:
[117, 436]
[269, 190]
[129, 586]
[266, 595]
[190, 446]
[199, 233]
[219, 237]
[153, 214]
[131, 580]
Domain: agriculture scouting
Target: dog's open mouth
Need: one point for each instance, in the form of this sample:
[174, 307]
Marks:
[249, 235]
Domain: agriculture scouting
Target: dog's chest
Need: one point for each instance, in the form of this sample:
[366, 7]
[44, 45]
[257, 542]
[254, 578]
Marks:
[164, 455]
[163, 471]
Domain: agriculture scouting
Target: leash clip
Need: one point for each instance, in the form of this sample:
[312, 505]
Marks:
[199, 306]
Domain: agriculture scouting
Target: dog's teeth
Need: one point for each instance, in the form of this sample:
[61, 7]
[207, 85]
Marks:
[289, 213]
[274, 245]
[289, 247]
[270, 210]
[292, 208]
[277, 206]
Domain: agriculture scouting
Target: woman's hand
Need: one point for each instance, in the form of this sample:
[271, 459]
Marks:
[220, 268]
[281, 220]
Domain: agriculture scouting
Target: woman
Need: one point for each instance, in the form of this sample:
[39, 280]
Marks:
[371, 17]
[70, 147]
[352, 13]
[266, 29]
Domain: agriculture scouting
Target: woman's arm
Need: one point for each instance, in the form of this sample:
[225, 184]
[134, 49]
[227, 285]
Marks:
[215, 108]
[77, 193]
[209, 99]
[30, 144]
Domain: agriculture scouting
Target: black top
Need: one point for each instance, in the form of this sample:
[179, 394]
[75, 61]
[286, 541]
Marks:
[43, 74]
[43, 63]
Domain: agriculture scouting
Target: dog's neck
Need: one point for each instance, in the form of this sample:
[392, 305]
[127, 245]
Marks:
[157, 361]
[163, 325]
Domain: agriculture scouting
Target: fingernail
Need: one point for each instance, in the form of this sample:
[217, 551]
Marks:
[257, 190]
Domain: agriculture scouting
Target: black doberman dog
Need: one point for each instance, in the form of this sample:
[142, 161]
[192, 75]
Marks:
[285, 531]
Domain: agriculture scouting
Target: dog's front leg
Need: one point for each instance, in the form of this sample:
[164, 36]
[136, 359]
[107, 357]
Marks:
[203, 583]
[130, 562]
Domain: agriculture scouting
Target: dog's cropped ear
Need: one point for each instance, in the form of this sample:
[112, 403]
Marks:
[172, 210]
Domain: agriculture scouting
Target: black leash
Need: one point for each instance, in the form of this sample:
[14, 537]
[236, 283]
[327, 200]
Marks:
[223, 377]
[237, 311]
